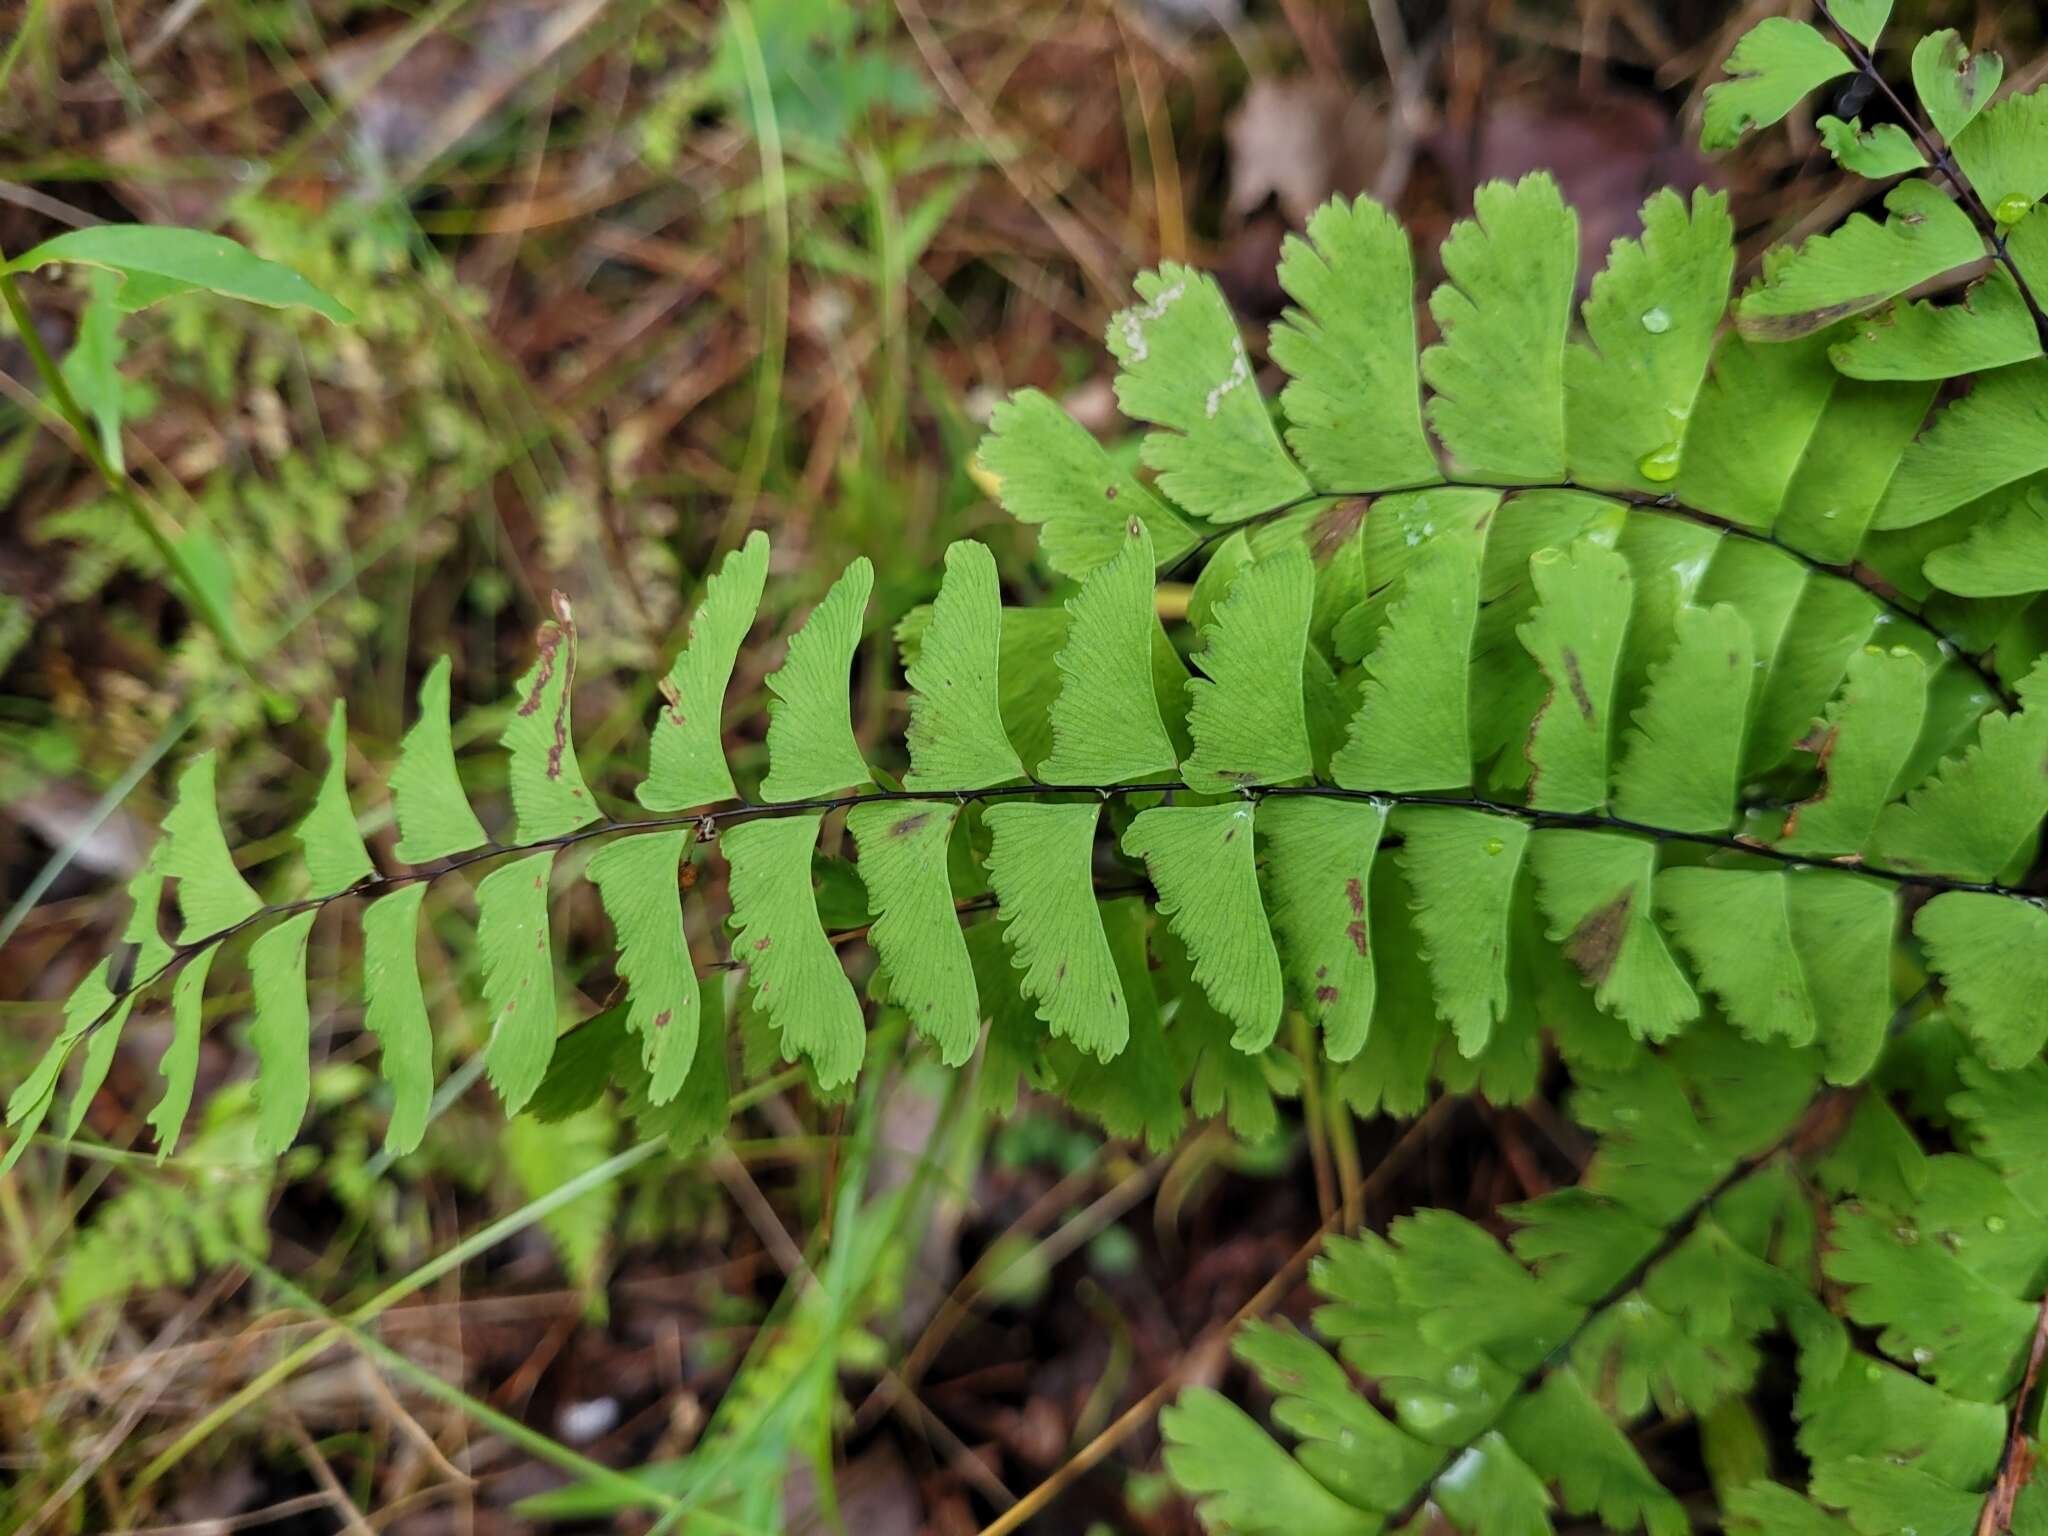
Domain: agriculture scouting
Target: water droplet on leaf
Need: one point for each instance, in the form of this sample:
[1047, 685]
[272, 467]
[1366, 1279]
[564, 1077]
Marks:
[2011, 208]
[1994, 1223]
[1494, 845]
[1657, 321]
[1660, 465]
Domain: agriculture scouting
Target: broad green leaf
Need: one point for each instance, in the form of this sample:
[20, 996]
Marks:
[519, 975]
[1752, 427]
[1042, 868]
[1881, 1410]
[1879, 152]
[281, 1032]
[1182, 366]
[180, 1062]
[1355, 394]
[1848, 462]
[1052, 472]
[434, 818]
[1990, 328]
[212, 895]
[157, 261]
[1981, 808]
[1503, 310]
[1462, 866]
[1772, 1509]
[1860, 746]
[1991, 437]
[1221, 1080]
[636, 876]
[700, 1112]
[1583, 598]
[686, 759]
[1650, 323]
[1242, 1480]
[1565, 1436]
[2005, 152]
[2005, 555]
[1138, 1095]
[335, 856]
[1831, 622]
[1594, 889]
[917, 930]
[1736, 927]
[956, 736]
[1862, 19]
[1202, 862]
[1344, 1441]
[1247, 712]
[1954, 84]
[1317, 860]
[1491, 1489]
[395, 1011]
[1991, 953]
[549, 797]
[1681, 768]
[1106, 726]
[811, 750]
[1843, 926]
[1412, 730]
[1775, 65]
[1861, 264]
[1927, 1306]
[791, 965]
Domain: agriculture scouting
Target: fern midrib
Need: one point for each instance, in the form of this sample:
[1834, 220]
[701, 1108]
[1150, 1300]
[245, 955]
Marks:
[709, 822]
[1851, 573]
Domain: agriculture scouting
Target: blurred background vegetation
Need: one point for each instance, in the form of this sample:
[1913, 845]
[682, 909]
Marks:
[631, 278]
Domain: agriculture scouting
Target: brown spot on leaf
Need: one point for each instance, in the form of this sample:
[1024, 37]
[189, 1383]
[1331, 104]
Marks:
[1805, 323]
[1335, 526]
[1578, 684]
[1322, 971]
[1596, 942]
[674, 696]
[1355, 932]
[1109, 493]
[909, 824]
[661, 1019]
[761, 943]
[1354, 892]
[1326, 994]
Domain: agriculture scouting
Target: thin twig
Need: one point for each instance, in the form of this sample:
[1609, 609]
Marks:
[2016, 1462]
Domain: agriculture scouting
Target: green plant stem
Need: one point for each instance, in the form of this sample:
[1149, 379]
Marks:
[122, 488]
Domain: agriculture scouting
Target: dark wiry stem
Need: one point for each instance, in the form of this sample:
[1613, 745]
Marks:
[1855, 575]
[709, 822]
[1945, 162]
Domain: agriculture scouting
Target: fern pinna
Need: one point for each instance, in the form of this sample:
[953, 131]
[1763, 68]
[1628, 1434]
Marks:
[1668, 689]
